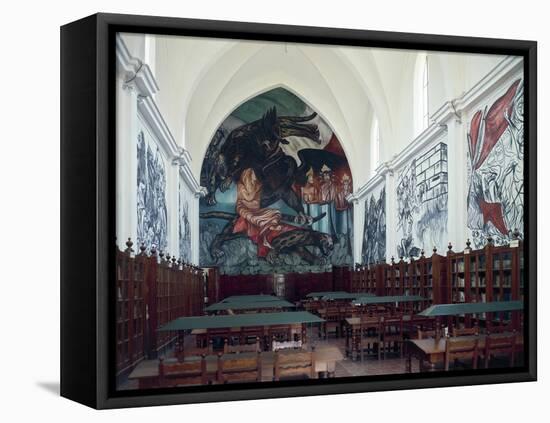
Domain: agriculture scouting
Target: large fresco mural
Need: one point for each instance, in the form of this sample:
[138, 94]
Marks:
[184, 234]
[277, 180]
[422, 203]
[495, 169]
[152, 214]
[374, 232]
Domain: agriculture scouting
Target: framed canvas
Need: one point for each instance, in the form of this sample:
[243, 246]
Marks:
[259, 211]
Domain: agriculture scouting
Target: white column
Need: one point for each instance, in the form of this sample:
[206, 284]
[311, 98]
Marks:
[358, 228]
[457, 185]
[194, 222]
[391, 217]
[126, 163]
[172, 204]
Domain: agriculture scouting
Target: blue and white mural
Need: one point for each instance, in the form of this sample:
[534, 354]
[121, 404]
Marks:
[152, 214]
[184, 224]
[495, 169]
[374, 232]
[422, 203]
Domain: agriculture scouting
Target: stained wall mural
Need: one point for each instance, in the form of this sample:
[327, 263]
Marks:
[495, 169]
[374, 232]
[421, 189]
[184, 234]
[277, 180]
[152, 214]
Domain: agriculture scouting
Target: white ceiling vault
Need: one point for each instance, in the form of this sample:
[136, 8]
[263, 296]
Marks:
[202, 81]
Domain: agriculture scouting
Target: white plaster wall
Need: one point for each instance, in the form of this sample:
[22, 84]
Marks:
[203, 80]
[136, 111]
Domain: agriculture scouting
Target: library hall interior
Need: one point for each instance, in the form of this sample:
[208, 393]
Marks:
[293, 212]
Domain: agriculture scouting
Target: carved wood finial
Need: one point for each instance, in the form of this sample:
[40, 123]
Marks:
[490, 240]
[468, 243]
[422, 252]
[129, 244]
[434, 249]
[516, 233]
[153, 250]
[392, 260]
[142, 248]
[450, 246]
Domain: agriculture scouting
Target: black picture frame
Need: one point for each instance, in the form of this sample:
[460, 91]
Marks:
[88, 206]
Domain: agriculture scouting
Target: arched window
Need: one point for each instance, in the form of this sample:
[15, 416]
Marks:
[421, 86]
[375, 146]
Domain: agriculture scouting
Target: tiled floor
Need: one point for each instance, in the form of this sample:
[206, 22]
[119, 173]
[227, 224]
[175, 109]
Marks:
[392, 364]
[346, 367]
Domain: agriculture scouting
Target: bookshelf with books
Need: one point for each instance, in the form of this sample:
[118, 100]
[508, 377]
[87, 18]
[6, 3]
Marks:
[492, 273]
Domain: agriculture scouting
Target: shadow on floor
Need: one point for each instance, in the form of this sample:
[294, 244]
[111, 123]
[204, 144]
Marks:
[51, 387]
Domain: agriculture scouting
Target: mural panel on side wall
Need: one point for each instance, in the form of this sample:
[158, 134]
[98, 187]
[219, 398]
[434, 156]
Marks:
[277, 180]
[495, 169]
[152, 214]
[184, 224]
[374, 232]
[422, 203]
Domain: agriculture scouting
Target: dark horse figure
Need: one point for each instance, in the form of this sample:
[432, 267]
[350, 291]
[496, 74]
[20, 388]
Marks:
[257, 145]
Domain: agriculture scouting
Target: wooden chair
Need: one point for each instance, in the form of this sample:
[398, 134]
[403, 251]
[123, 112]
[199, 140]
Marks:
[461, 348]
[332, 321]
[236, 368]
[473, 331]
[420, 323]
[237, 349]
[391, 335]
[369, 336]
[249, 334]
[183, 373]
[292, 363]
[215, 337]
[423, 334]
[181, 352]
[280, 332]
[498, 346]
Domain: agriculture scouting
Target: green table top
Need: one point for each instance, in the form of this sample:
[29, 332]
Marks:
[470, 308]
[248, 305]
[337, 295]
[250, 298]
[240, 320]
[387, 299]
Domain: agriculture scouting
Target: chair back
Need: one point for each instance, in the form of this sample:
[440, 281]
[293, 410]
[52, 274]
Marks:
[183, 373]
[239, 368]
[294, 363]
[500, 345]
[461, 348]
[248, 332]
[228, 348]
[392, 326]
[423, 334]
[279, 332]
[473, 331]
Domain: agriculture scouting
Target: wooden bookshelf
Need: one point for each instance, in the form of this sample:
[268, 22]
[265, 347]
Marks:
[493, 273]
[151, 290]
